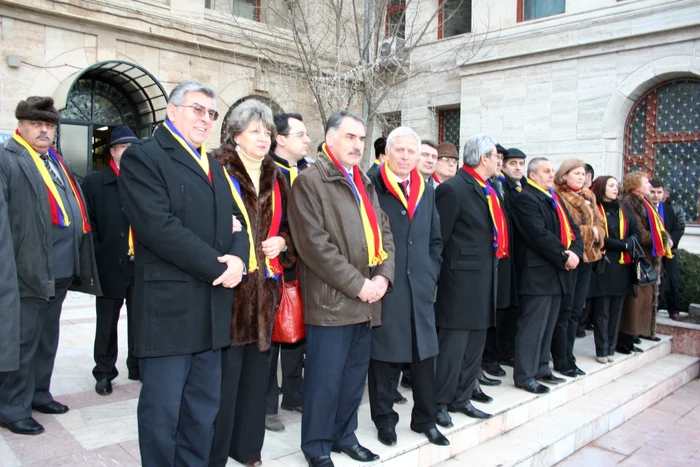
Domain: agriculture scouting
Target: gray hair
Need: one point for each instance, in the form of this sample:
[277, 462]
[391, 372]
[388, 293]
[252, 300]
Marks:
[534, 164]
[177, 95]
[400, 132]
[336, 119]
[248, 111]
[476, 146]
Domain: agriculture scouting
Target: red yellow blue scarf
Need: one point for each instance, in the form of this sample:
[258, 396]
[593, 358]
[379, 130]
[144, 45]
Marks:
[566, 233]
[657, 229]
[59, 215]
[624, 257]
[417, 188]
[500, 225]
[435, 177]
[116, 169]
[199, 156]
[370, 225]
[292, 171]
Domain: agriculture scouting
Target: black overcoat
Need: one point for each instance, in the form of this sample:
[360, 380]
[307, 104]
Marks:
[673, 225]
[540, 260]
[417, 258]
[467, 288]
[507, 284]
[182, 222]
[9, 293]
[110, 231]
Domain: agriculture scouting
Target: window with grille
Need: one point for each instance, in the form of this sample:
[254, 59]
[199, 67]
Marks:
[454, 18]
[533, 9]
[662, 138]
[449, 126]
[396, 19]
[390, 121]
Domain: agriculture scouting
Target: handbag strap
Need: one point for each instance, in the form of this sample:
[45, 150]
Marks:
[638, 250]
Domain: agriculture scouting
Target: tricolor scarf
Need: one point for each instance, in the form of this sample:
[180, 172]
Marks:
[417, 188]
[500, 225]
[59, 215]
[292, 171]
[199, 156]
[436, 179]
[503, 179]
[566, 233]
[370, 225]
[624, 257]
[116, 170]
[657, 229]
[377, 161]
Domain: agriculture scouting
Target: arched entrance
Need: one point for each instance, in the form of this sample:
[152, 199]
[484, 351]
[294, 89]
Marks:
[276, 110]
[98, 99]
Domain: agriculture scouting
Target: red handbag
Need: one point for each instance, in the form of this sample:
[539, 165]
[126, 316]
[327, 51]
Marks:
[289, 320]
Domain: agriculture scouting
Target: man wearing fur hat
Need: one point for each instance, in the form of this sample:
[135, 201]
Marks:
[53, 250]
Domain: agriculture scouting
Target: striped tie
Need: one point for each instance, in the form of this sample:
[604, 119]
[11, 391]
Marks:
[54, 176]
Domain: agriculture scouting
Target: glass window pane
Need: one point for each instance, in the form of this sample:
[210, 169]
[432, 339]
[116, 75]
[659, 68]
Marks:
[539, 8]
[456, 17]
[637, 129]
[678, 165]
[679, 108]
[74, 147]
[244, 9]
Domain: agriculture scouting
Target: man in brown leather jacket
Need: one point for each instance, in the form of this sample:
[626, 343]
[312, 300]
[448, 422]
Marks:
[347, 264]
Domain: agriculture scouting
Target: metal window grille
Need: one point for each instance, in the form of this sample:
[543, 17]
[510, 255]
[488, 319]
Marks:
[390, 121]
[449, 126]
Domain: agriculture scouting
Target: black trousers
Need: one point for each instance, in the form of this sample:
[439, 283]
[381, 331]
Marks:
[240, 426]
[458, 365]
[500, 340]
[671, 286]
[607, 312]
[538, 315]
[106, 337]
[292, 363]
[177, 408]
[337, 360]
[39, 332]
[570, 311]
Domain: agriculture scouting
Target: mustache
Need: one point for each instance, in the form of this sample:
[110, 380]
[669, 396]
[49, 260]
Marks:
[355, 152]
[43, 134]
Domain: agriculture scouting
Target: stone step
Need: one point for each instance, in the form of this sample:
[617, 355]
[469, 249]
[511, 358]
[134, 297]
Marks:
[554, 436]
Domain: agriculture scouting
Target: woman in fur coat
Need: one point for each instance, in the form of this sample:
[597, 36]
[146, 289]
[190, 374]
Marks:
[240, 426]
[639, 312]
[581, 203]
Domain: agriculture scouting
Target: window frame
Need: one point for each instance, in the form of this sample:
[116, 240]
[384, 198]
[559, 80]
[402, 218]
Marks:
[441, 123]
[393, 10]
[441, 18]
[520, 14]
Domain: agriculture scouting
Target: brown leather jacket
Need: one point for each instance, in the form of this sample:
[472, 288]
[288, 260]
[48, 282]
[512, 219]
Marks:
[584, 212]
[326, 227]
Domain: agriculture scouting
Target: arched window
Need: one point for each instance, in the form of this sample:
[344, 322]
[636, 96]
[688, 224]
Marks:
[662, 138]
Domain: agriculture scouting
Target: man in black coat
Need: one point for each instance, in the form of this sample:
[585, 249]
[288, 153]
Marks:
[467, 289]
[9, 293]
[179, 204]
[546, 251]
[407, 333]
[115, 263]
[50, 237]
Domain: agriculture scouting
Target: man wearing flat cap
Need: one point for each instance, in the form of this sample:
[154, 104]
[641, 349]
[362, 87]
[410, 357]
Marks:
[51, 236]
[448, 159]
[114, 252]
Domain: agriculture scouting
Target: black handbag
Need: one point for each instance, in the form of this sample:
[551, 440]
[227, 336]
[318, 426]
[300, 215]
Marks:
[644, 272]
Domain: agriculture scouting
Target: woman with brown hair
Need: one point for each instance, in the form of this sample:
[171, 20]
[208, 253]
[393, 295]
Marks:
[261, 192]
[581, 203]
[639, 312]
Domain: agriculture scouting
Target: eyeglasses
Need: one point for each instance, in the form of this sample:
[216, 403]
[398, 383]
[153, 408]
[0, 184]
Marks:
[300, 134]
[448, 160]
[199, 111]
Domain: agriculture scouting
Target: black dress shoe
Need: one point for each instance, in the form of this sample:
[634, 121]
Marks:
[507, 362]
[103, 387]
[470, 411]
[653, 339]
[290, 408]
[443, 418]
[434, 436]
[406, 382]
[623, 349]
[400, 399]
[27, 426]
[486, 381]
[637, 349]
[493, 368]
[570, 372]
[134, 375]
[551, 379]
[637, 340]
[387, 436]
[579, 371]
[358, 453]
[321, 461]
[580, 334]
[534, 387]
[52, 408]
[479, 396]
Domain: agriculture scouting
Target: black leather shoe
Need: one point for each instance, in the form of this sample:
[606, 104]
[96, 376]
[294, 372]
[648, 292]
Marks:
[322, 461]
[570, 372]
[507, 362]
[52, 408]
[387, 436]
[27, 426]
[653, 339]
[358, 453]
[103, 387]
[399, 399]
[479, 396]
[637, 340]
[580, 334]
[406, 382]
[134, 375]
[290, 408]
[551, 379]
[470, 411]
[443, 418]
[579, 371]
[534, 387]
[434, 436]
[493, 368]
[486, 381]
[637, 349]
[623, 349]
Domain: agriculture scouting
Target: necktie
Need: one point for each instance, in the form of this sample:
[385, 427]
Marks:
[518, 188]
[404, 188]
[54, 176]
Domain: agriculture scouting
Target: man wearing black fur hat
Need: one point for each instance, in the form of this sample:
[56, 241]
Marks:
[114, 251]
[53, 249]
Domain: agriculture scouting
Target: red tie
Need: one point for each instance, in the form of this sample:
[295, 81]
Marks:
[404, 187]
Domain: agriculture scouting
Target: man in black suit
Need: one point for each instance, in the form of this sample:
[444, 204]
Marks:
[180, 206]
[407, 333]
[466, 296]
[675, 226]
[549, 246]
[115, 263]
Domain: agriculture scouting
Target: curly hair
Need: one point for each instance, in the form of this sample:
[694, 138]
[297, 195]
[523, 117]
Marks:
[633, 181]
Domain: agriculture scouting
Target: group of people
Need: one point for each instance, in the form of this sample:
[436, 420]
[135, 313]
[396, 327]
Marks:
[421, 266]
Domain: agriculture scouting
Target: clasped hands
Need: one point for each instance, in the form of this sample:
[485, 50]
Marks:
[233, 274]
[373, 289]
[572, 261]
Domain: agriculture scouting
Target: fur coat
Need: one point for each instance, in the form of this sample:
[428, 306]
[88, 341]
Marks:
[254, 307]
[582, 209]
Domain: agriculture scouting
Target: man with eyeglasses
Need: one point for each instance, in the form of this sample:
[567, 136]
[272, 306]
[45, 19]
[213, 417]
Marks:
[446, 167]
[188, 259]
[289, 150]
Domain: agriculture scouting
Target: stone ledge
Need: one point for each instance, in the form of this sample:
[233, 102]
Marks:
[686, 336]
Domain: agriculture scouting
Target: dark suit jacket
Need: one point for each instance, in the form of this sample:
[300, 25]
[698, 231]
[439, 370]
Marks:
[540, 261]
[182, 223]
[674, 226]
[417, 247]
[9, 293]
[466, 295]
